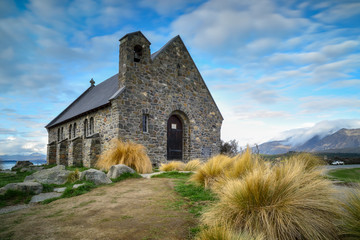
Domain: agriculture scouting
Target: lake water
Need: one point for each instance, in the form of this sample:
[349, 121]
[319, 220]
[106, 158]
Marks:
[8, 164]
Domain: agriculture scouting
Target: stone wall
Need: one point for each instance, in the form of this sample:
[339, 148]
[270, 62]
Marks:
[105, 128]
[169, 84]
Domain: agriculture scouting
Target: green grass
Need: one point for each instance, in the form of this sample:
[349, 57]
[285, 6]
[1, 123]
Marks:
[196, 197]
[6, 178]
[345, 175]
[12, 197]
[173, 174]
[73, 168]
[125, 176]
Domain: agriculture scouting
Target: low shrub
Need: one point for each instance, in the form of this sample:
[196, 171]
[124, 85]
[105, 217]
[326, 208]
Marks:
[172, 166]
[211, 171]
[129, 153]
[222, 232]
[350, 226]
[285, 201]
[192, 165]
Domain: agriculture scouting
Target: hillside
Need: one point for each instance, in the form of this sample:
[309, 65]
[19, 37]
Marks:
[344, 141]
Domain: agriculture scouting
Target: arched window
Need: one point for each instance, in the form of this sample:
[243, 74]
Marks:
[62, 134]
[91, 126]
[70, 130]
[137, 53]
[74, 130]
[86, 128]
[58, 134]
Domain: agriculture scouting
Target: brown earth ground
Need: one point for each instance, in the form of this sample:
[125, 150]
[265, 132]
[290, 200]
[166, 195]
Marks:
[143, 209]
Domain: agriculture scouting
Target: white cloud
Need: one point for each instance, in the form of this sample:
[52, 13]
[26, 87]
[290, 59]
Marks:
[296, 137]
[339, 11]
[316, 104]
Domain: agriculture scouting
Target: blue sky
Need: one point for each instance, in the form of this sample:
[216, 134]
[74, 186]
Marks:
[271, 66]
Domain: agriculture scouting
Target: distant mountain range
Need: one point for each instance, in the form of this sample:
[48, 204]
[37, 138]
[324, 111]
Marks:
[29, 157]
[342, 141]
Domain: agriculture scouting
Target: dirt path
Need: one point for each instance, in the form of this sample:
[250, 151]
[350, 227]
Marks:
[141, 209]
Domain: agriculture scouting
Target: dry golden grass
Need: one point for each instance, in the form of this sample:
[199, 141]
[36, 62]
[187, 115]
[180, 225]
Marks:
[224, 233]
[73, 176]
[172, 166]
[309, 160]
[192, 165]
[211, 171]
[286, 201]
[128, 153]
[351, 218]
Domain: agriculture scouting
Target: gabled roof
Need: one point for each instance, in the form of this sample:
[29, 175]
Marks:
[94, 97]
[135, 33]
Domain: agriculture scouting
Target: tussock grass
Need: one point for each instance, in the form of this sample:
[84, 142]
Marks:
[192, 165]
[212, 171]
[222, 232]
[129, 153]
[286, 201]
[73, 176]
[172, 166]
[351, 218]
[309, 160]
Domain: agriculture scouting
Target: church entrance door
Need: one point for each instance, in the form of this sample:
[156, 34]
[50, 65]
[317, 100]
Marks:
[174, 138]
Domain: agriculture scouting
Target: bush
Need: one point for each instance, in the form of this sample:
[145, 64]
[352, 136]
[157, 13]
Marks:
[224, 233]
[129, 153]
[230, 148]
[192, 165]
[351, 218]
[211, 172]
[172, 166]
[285, 201]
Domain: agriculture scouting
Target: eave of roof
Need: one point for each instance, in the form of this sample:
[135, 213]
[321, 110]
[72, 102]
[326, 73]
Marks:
[93, 98]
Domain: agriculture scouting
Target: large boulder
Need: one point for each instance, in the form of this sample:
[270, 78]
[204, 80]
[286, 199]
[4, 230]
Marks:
[95, 176]
[55, 175]
[116, 170]
[20, 164]
[23, 186]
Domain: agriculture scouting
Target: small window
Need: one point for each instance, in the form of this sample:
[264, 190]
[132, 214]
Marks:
[145, 123]
[58, 134]
[137, 53]
[86, 128]
[62, 134]
[74, 130]
[91, 126]
[70, 130]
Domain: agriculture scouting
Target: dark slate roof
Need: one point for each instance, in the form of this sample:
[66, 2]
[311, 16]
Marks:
[94, 97]
[135, 33]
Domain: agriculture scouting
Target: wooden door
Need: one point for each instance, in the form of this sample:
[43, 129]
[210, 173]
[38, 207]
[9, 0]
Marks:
[174, 138]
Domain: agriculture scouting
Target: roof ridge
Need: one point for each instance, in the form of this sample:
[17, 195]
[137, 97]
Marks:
[76, 100]
[155, 54]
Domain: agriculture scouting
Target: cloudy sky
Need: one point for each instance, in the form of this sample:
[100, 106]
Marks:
[271, 65]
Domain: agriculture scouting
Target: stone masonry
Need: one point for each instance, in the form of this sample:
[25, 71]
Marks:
[159, 85]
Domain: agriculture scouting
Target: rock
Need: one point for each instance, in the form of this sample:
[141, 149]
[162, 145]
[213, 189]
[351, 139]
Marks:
[24, 187]
[78, 185]
[95, 176]
[116, 170]
[43, 196]
[60, 190]
[21, 164]
[55, 175]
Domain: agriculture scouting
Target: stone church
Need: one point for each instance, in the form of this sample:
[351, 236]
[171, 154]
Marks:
[158, 100]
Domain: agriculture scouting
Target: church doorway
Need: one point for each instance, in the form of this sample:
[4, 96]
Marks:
[174, 138]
